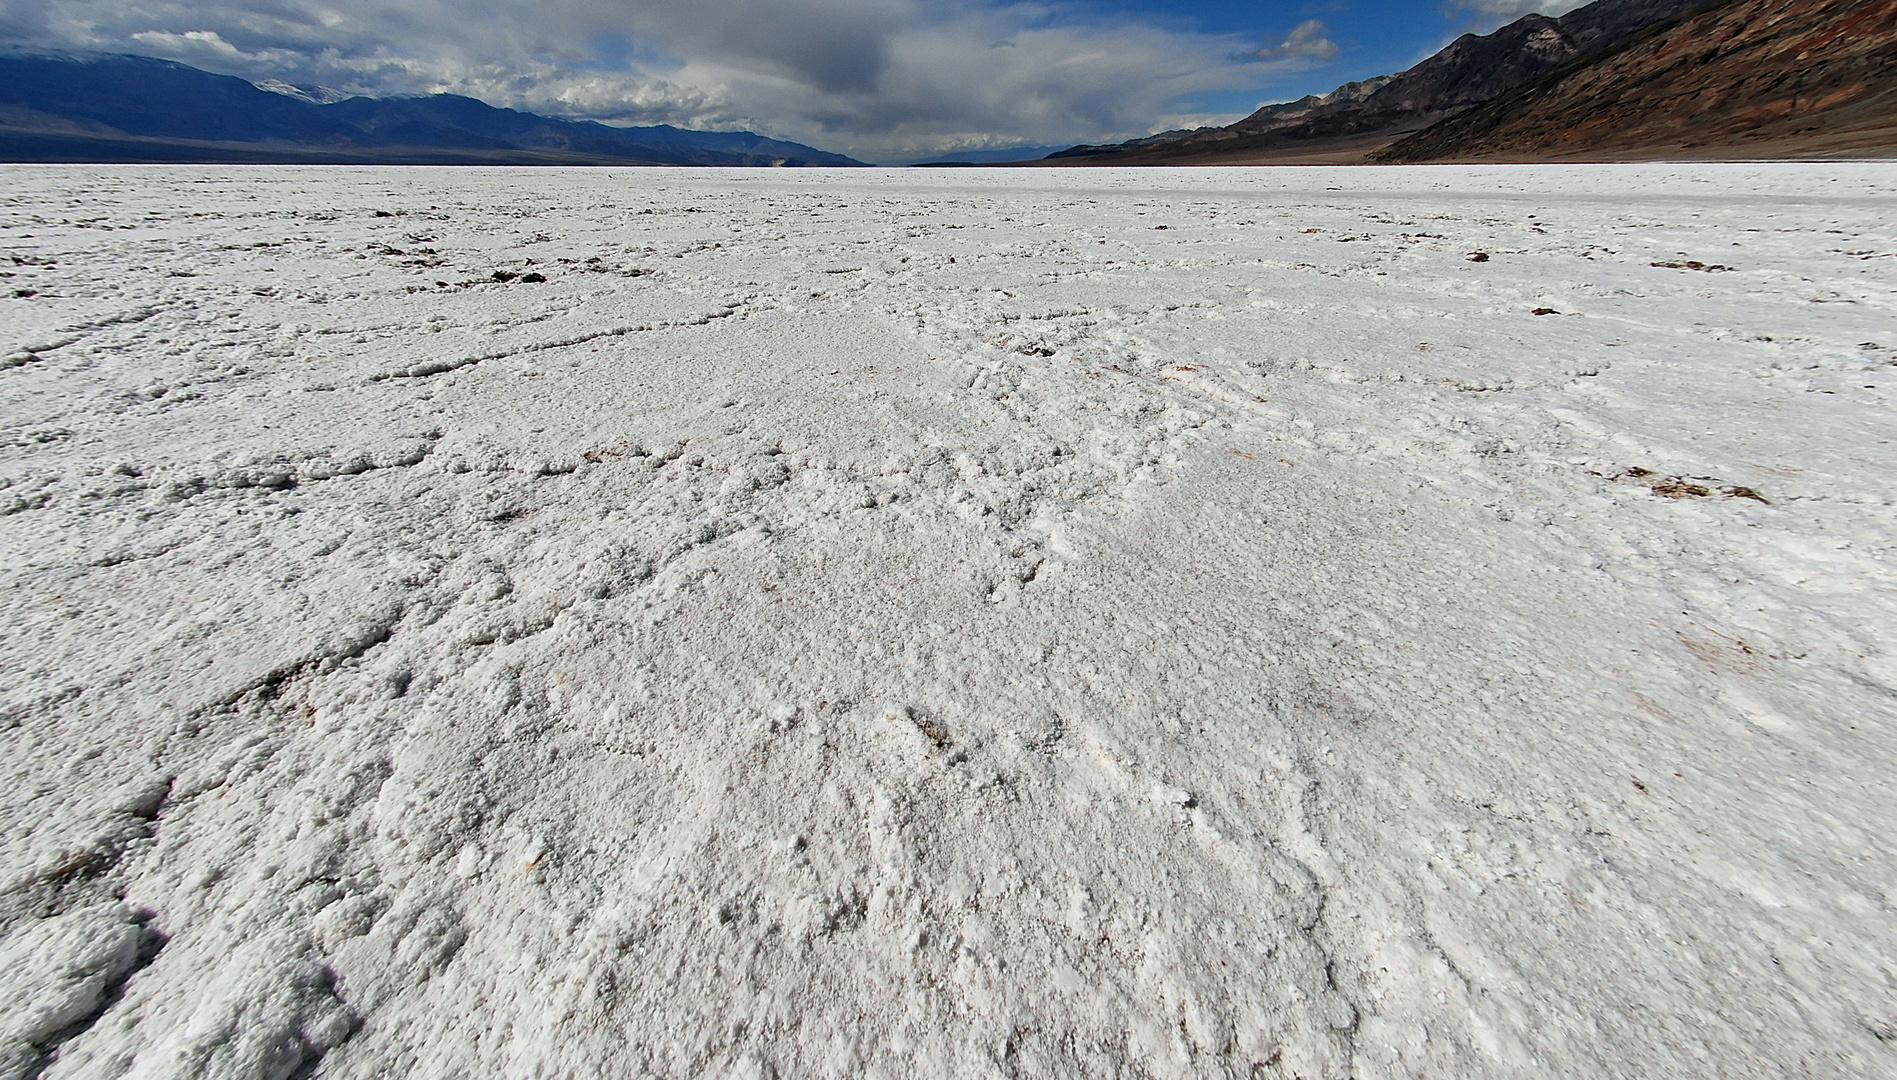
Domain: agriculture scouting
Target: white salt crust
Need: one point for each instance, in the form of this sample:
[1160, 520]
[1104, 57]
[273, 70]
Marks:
[948, 624]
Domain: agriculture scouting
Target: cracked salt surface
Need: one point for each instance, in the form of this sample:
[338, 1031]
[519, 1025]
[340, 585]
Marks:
[928, 624]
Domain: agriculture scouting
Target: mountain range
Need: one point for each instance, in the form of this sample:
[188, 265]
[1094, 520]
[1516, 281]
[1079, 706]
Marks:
[139, 109]
[1617, 79]
[1740, 78]
[1614, 79]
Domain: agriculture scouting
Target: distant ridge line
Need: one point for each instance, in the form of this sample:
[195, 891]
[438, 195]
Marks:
[118, 108]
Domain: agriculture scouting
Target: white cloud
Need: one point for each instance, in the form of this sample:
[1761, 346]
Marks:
[1306, 41]
[208, 47]
[1499, 12]
[877, 78]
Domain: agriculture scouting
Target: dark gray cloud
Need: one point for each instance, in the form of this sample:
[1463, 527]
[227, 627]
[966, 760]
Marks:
[883, 79]
[834, 48]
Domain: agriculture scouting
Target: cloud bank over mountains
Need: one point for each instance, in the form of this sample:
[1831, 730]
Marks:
[875, 78]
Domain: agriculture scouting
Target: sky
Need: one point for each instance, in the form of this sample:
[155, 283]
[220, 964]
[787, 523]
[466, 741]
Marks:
[881, 80]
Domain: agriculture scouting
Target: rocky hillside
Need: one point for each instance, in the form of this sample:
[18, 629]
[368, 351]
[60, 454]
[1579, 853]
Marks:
[1360, 117]
[1745, 78]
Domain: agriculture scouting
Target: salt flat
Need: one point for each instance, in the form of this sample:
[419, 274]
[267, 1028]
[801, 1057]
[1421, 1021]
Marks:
[976, 623]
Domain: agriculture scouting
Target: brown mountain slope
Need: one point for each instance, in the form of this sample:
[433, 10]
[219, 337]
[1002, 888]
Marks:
[1357, 118]
[1741, 79]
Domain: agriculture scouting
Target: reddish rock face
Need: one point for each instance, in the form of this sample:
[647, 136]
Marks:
[1360, 117]
[1745, 78]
